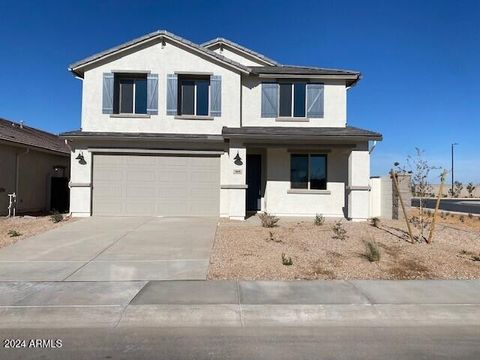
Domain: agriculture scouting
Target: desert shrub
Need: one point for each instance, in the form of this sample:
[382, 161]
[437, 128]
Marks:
[457, 189]
[375, 221]
[319, 220]
[268, 221]
[55, 218]
[462, 218]
[372, 252]
[271, 237]
[470, 216]
[14, 233]
[339, 231]
[286, 260]
[443, 215]
[470, 189]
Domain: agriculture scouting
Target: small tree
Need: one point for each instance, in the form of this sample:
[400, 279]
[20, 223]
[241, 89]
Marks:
[470, 189]
[421, 172]
[457, 189]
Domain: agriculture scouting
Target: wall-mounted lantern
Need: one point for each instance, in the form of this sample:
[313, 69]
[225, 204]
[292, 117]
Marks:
[238, 160]
[81, 159]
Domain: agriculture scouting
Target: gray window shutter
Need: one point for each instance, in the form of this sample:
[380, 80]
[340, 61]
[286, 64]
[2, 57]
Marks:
[315, 100]
[172, 91]
[215, 95]
[269, 100]
[107, 97]
[152, 94]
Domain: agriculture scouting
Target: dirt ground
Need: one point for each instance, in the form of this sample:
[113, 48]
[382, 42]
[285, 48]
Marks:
[245, 250]
[26, 227]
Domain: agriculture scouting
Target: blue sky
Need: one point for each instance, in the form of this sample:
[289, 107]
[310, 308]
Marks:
[419, 60]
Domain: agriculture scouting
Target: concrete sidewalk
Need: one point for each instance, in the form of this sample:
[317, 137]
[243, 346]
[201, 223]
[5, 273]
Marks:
[239, 304]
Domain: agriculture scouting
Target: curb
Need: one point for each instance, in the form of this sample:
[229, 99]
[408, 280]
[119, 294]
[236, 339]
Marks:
[234, 315]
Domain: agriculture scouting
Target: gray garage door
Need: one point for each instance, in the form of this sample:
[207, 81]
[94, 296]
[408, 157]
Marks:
[156, 185]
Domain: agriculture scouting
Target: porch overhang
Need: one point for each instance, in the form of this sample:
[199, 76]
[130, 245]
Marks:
[124, 140]
[335, 136]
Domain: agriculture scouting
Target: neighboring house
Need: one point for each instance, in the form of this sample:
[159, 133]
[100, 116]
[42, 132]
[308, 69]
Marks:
[35, 165]
[171, 128]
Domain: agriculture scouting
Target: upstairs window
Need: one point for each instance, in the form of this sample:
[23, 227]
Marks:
[130, 94]
[308, 171]
[292, 99]
[193, 95]
[295, 100]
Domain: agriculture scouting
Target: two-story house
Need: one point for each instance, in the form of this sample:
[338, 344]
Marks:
[171, 128]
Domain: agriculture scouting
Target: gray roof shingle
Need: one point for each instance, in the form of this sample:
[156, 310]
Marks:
[25, 135]
[151, 36]
[333, 133]
[221, 40]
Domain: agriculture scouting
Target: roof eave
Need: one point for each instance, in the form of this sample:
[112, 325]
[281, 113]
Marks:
[355, 138]
[76, 68]
[249, 52]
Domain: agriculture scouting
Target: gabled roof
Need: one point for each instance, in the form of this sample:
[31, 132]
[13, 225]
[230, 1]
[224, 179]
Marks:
[77, 66]
[20, 134]
[222, 41]
[272, 67]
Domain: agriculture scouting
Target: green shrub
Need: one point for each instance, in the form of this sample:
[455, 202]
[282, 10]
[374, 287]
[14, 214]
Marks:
[319, 220]
[14, 233]
[286, 260]
[268, 221]
[372, 252]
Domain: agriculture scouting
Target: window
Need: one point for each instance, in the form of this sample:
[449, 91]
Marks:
[130, 94]
[308, 171]
[193, 95]
[292, 99]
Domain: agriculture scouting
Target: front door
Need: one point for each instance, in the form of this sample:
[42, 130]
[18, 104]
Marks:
[254, 176]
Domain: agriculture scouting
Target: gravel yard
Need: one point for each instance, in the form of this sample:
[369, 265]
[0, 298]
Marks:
[26, 226]
[245, 250]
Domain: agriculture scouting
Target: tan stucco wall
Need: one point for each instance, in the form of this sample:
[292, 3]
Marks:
[35, 172]
[7, 175]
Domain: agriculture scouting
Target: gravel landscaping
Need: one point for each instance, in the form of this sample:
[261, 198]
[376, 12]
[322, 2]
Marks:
[21, 227]
[245, 250]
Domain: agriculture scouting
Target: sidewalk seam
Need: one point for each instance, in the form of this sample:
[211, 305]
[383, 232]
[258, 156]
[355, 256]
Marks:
[240, 309]
[361, 292]
[106, 248]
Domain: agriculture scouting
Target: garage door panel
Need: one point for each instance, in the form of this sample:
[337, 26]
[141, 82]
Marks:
[156, 185]
[138, 175]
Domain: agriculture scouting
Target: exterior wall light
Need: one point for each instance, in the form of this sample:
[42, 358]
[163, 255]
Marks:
[238, 160]
[81, 159]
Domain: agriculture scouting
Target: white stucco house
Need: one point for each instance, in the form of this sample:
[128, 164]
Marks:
[172, 128]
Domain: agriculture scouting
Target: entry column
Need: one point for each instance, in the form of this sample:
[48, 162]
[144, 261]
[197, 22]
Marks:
[358, 185]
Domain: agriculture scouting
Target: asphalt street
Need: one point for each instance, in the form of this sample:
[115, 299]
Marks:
[465, 206]
[449, 342]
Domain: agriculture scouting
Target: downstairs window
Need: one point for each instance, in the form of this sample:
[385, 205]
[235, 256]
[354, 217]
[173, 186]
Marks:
[308, 171]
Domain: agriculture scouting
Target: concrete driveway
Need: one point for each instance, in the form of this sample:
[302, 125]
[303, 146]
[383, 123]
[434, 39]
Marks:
[114, 249]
